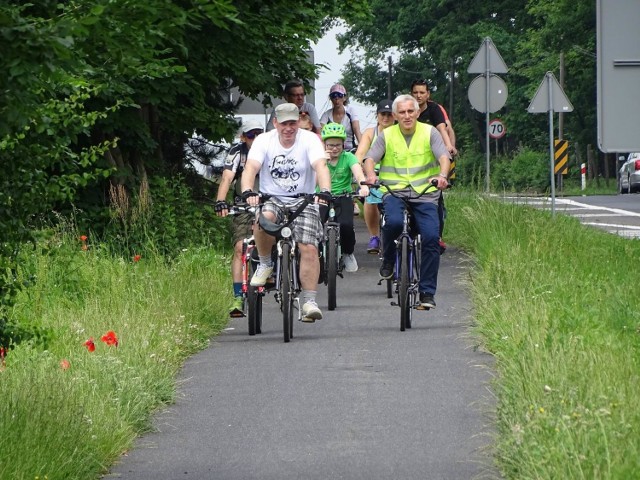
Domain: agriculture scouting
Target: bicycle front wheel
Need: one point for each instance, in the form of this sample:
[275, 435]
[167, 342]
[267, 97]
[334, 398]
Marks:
[403, 286]
[254, 301]
[286, 291]
[332, 267]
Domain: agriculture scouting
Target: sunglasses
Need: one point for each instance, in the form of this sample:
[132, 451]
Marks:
[336, 95]
[252, 134]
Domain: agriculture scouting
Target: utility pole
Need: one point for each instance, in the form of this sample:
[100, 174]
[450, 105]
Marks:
[389, 80]
[561, 116]
[452, 74]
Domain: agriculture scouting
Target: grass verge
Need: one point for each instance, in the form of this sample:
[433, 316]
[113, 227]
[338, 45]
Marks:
[556, 304]
[68, 412]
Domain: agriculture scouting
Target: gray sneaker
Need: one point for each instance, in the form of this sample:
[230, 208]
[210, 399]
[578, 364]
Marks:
[261, 276]
[311, 312]
[350, 263]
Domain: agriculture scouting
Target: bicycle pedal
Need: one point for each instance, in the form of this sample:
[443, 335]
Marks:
[394, 304]
[420, 307]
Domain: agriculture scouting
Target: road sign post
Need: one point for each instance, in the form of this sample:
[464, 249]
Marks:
[487, 61]
[550, 98]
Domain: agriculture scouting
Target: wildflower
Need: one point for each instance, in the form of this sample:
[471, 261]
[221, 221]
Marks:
[85, 247]
[110, 338]
[83, 238]
[65, 364]
[90, 345]
[136, 258]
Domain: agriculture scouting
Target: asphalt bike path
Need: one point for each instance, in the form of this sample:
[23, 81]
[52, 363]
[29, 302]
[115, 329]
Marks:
[350, 397]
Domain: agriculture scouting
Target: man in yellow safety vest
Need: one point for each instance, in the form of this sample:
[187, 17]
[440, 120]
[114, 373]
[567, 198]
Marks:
[411, 156]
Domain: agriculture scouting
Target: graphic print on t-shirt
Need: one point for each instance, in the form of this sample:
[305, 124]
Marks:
[284, 174]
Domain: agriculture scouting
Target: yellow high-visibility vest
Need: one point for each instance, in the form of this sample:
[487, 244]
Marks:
[413, 165]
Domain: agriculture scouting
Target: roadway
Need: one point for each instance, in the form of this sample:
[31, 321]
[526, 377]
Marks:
[350, 397]
[617, 214]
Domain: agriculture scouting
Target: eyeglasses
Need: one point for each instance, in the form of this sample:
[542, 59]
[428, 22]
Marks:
[252, 134]
[336, 95]
[333, 146]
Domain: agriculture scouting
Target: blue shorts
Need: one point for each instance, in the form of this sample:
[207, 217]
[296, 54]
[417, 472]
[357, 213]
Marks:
[374, 197]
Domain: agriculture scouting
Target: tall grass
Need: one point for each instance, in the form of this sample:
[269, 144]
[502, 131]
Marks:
[66, 412]
[557, 304]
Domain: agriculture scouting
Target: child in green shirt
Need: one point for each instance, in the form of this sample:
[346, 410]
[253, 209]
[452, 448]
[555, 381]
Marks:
[343, 167]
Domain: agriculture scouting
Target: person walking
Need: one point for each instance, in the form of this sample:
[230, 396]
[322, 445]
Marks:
[384, 117]
[411, 155]
[341, 112]
[291, 162]
[241, 226]
[343, 167]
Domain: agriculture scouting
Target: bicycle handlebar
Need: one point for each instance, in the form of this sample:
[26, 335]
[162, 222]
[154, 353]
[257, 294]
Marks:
[274, 229]
[240, 208]
[381, 183]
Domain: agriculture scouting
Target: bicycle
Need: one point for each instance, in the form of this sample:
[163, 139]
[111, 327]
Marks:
[251, 296]
[331, 264]
[408, 257]
[287, 268]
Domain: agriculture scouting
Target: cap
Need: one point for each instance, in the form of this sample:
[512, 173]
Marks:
[286, 112]
[338, 88]
[384, 106]
[248, 125]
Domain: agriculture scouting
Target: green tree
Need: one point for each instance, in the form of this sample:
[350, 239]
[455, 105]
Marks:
[103, 93]
[430, 39]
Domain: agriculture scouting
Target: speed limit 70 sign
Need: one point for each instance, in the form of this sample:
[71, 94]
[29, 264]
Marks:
[496, 129]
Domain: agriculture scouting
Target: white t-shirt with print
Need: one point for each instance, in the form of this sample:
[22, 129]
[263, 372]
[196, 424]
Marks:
[287, 172]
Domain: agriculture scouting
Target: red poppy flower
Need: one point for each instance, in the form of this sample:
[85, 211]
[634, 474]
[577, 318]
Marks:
[83, 238]
[136, 258]
[65, 364]
[90, 345]
[110, 338]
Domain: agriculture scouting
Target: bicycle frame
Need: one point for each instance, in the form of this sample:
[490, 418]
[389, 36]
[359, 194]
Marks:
[407, 261]
[287, 265]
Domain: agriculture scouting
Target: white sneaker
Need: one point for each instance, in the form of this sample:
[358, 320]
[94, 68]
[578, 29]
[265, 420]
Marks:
[356, 209]
[261, 276]
[311, 312]
[350, 263]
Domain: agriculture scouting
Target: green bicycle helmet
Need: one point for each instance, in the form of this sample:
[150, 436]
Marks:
[333, 130]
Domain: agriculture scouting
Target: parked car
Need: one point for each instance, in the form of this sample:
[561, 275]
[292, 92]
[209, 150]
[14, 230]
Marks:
[629, 174]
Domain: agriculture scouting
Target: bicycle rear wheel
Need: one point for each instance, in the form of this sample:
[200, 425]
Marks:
[332, 267]
[286, 291]
[403, 286]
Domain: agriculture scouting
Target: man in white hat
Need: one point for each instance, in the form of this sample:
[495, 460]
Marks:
[242, 224]
[290, 161]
